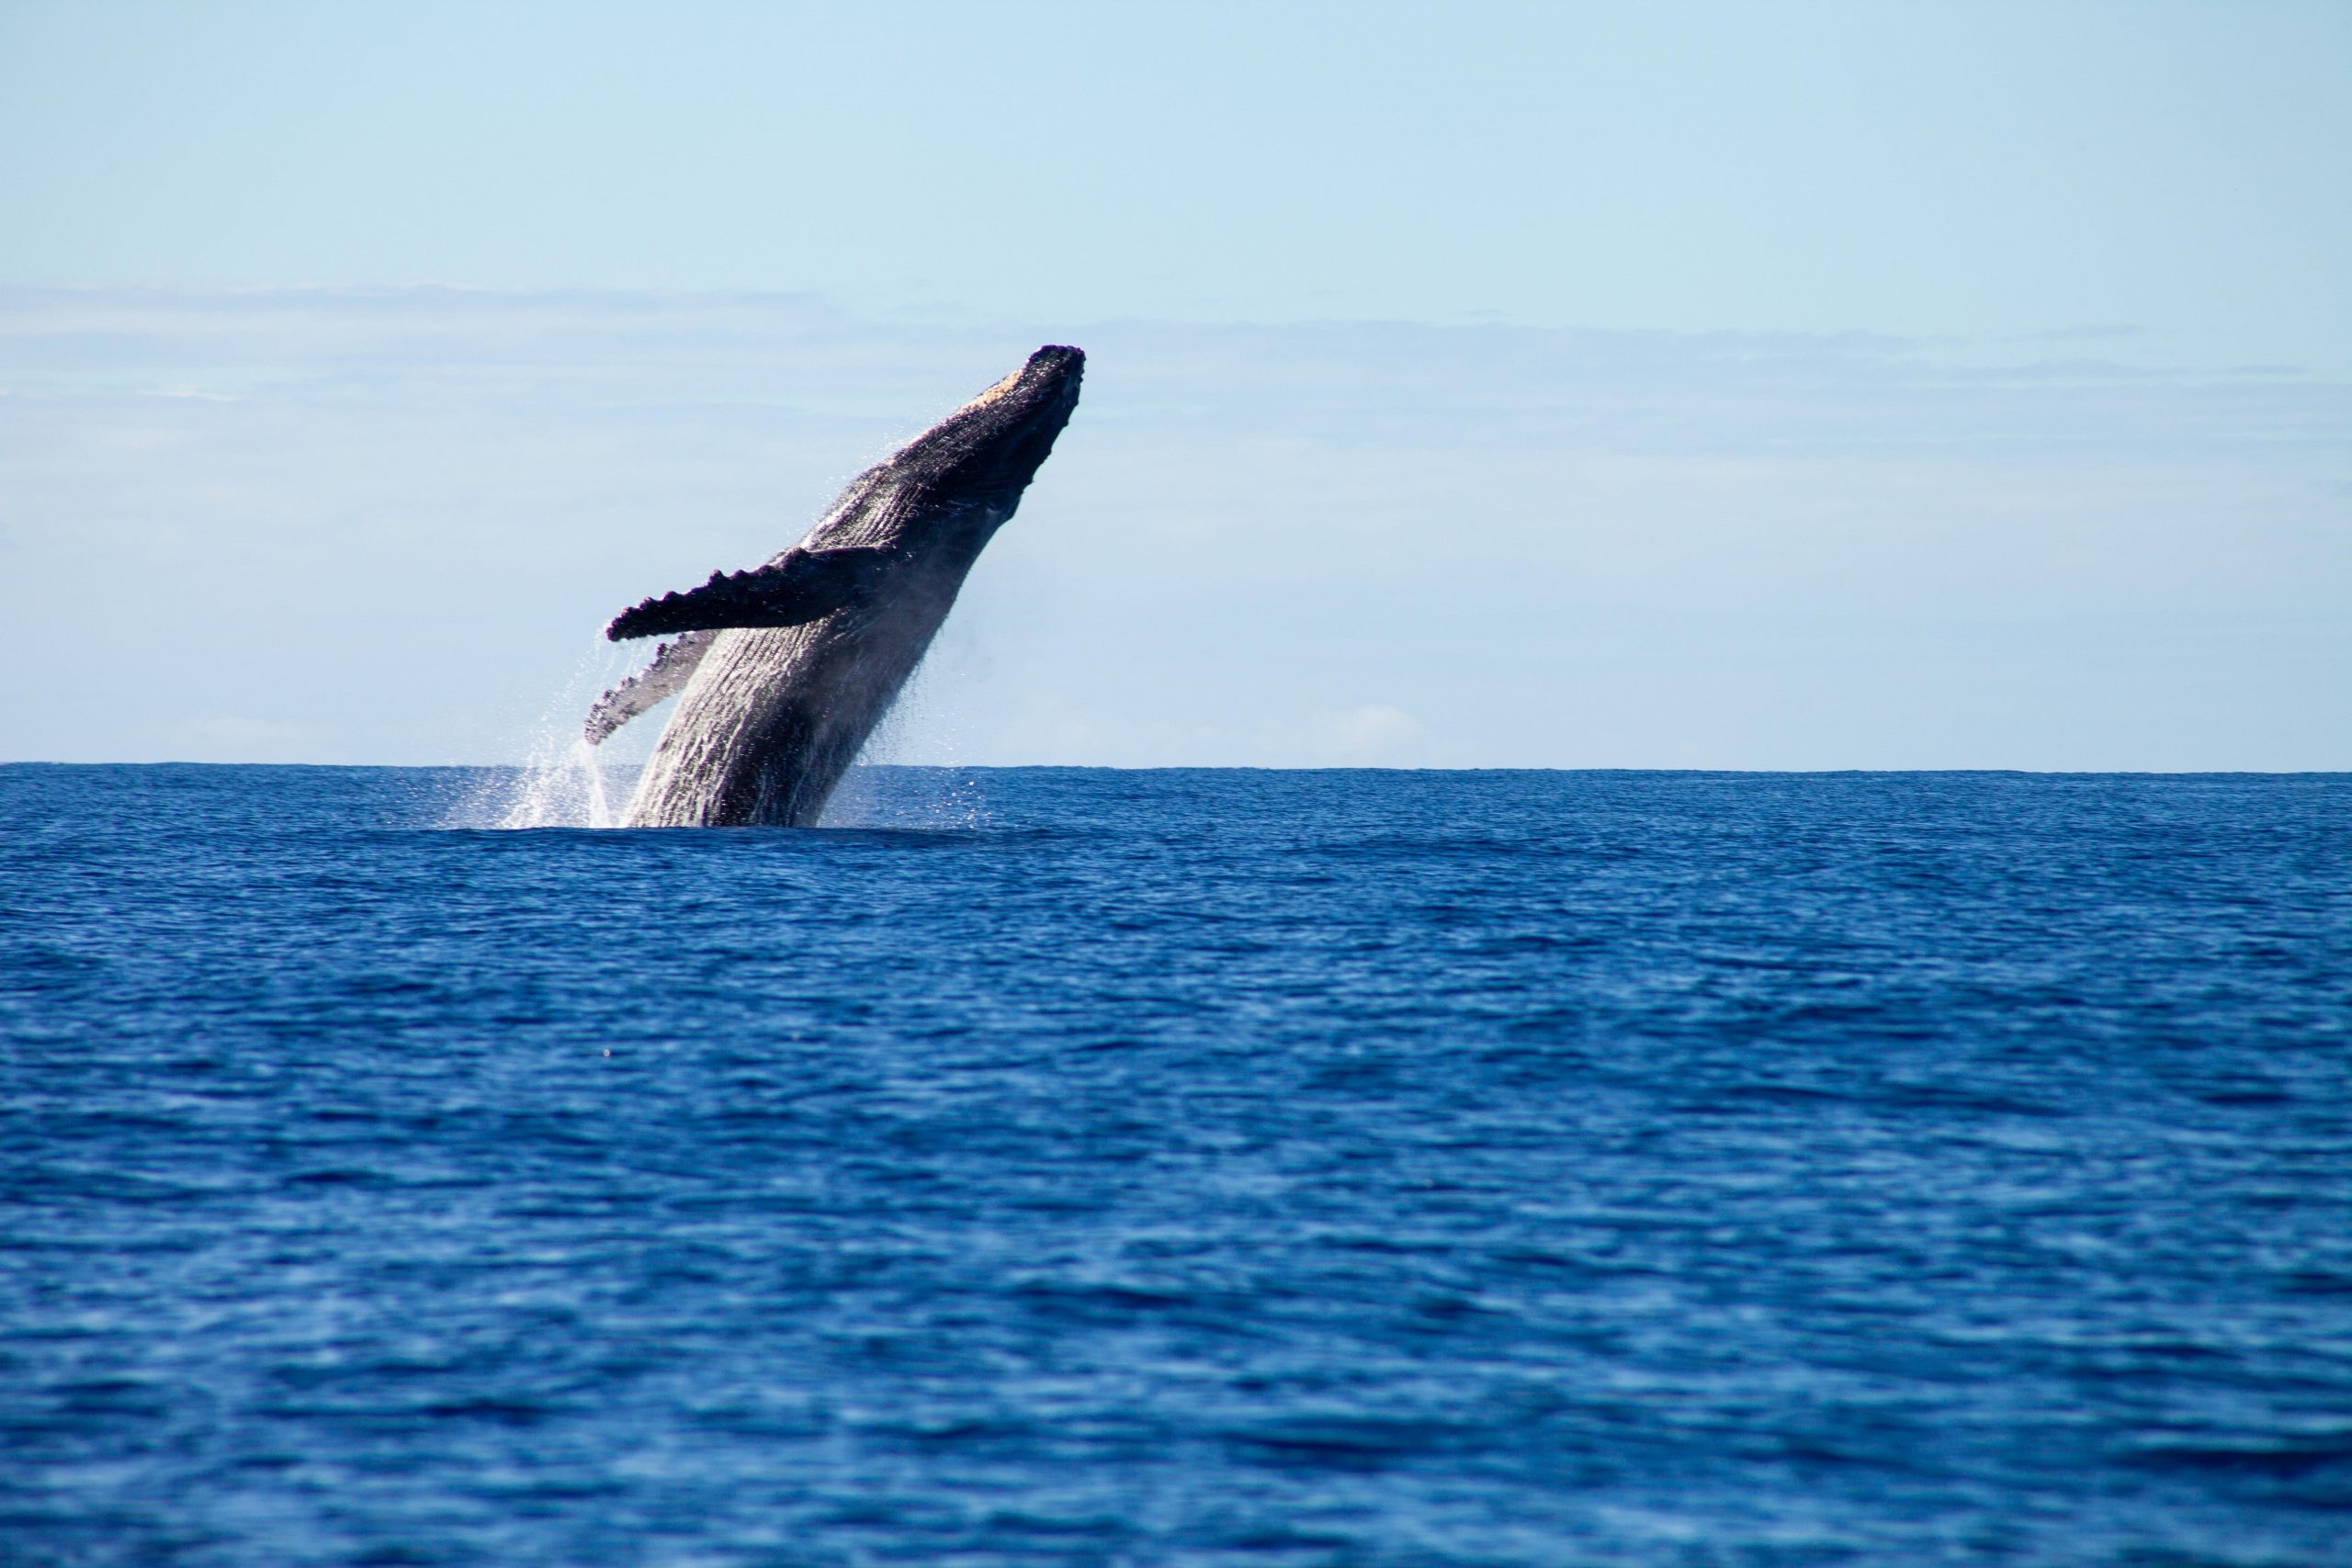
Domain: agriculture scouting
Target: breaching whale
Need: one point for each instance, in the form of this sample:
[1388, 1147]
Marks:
[783, 671]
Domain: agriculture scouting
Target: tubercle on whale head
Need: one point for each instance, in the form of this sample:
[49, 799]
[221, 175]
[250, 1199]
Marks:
[1042, 372]
[991, 447]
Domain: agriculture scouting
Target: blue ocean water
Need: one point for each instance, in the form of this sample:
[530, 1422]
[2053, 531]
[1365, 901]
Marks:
[1169, 1167]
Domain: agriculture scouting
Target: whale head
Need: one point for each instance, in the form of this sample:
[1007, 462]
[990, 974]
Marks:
[937, 499]
[987, 452]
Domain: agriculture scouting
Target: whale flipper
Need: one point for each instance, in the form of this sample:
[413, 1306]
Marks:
[804, 585]
[673, 665]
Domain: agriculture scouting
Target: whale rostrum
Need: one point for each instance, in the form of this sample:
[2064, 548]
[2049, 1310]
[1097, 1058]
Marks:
[783, 671]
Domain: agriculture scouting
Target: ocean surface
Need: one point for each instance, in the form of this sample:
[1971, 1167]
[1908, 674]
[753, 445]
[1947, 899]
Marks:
[1073, 1167]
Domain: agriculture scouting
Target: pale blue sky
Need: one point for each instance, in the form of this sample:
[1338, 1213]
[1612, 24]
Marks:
[1964, 170]
[1742, 386]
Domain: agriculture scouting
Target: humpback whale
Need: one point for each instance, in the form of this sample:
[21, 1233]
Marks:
[784, 670]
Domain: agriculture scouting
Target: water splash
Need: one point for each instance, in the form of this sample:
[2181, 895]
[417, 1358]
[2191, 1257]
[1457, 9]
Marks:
[899, 781]
[571, 789]
[564, 781]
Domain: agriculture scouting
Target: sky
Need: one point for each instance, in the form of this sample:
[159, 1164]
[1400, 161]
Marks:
[1726, 386]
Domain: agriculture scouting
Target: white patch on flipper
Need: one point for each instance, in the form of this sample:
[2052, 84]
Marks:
[673, 665]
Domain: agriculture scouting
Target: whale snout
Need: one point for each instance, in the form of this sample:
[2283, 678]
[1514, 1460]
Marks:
[1058, 366]
[989, 449]
[1045, 391]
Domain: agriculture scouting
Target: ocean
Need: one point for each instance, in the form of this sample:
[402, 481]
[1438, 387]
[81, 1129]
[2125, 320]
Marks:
[1090, 1167]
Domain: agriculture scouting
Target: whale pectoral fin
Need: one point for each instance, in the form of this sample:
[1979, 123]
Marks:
[673, 665]
[805, 585]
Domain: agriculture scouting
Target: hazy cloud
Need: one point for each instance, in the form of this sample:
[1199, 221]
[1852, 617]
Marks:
[387, 522]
